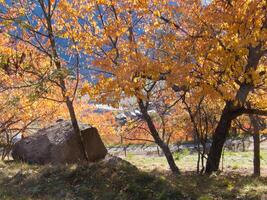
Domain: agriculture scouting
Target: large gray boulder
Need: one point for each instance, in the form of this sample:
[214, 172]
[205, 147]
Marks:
[59, 144]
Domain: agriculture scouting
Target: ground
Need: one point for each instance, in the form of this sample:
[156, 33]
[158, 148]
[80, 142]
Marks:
[149, 180]
[233, 162]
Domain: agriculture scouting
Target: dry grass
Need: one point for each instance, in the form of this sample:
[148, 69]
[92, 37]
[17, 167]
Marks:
[233, 162]
[151, 181]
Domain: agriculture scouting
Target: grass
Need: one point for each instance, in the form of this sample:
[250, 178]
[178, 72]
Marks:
[235, 182]
[222, 186]
[95, 181]
[122, 181]
[237, 162]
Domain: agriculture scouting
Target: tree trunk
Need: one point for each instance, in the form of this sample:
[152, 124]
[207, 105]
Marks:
[243, 144]
[223, 158]
[165, 148]
[228, 115]
[75, 125]
[158, 151]
[3, 154]
[218, 140]
[57, 62]
[256, 142]
[198, 160]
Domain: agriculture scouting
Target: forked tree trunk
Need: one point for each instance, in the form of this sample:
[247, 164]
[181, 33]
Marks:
[222, 130]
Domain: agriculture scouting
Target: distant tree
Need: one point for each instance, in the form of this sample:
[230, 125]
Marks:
[253, 125]
[19, 107]
[203, 115]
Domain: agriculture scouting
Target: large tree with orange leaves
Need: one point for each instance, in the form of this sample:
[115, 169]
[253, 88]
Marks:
[111, 34]
[228, 58]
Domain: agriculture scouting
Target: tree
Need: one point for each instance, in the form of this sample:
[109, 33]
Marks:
[224, 52]
[219, 48]
[203, 117]
[20, 109]
[110, 37]
[35, 24]
[253, 125]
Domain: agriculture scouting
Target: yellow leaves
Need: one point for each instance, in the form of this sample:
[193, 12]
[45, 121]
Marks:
[102, 1]
[94, 24]
[105, 2]
[157, 13]
[255, 77]
[156, 23]
[85, 89]
[69, 93]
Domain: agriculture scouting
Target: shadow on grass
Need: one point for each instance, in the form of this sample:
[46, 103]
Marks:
[119, 180]
[224, 186]
[105, 181]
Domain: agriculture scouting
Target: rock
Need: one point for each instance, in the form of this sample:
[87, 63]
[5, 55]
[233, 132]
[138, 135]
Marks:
[59, 144]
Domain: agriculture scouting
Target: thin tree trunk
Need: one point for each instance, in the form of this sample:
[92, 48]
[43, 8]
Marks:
[204, 141]
[243, 144]
[223, 158]
[56, 60]
[202, 163]
[198, 152]
[125, 151]
[169, 157]
[198, 160]
[75, 125]
[165, 148]
[256, 142]
[158, 151]
[3, 154]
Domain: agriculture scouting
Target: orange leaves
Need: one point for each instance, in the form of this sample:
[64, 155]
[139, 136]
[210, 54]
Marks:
[85, 89]
[21, 89]
[157, 13]
[203, 48]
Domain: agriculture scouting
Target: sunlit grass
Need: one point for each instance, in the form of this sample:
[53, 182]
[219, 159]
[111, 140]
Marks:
[232, 162]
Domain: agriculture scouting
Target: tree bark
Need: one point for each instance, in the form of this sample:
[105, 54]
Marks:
[231, 111]
[256, 143]
[165, 148]
[75, 125]
[218, 140]
[56, 60]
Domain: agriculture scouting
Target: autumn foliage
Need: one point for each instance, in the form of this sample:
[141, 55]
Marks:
[190, 68]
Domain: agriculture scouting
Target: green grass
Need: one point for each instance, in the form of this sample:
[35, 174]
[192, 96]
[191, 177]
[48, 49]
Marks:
[239, 162]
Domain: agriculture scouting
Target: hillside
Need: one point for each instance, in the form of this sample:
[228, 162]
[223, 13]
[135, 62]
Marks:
[110, 179]
[118, 179]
